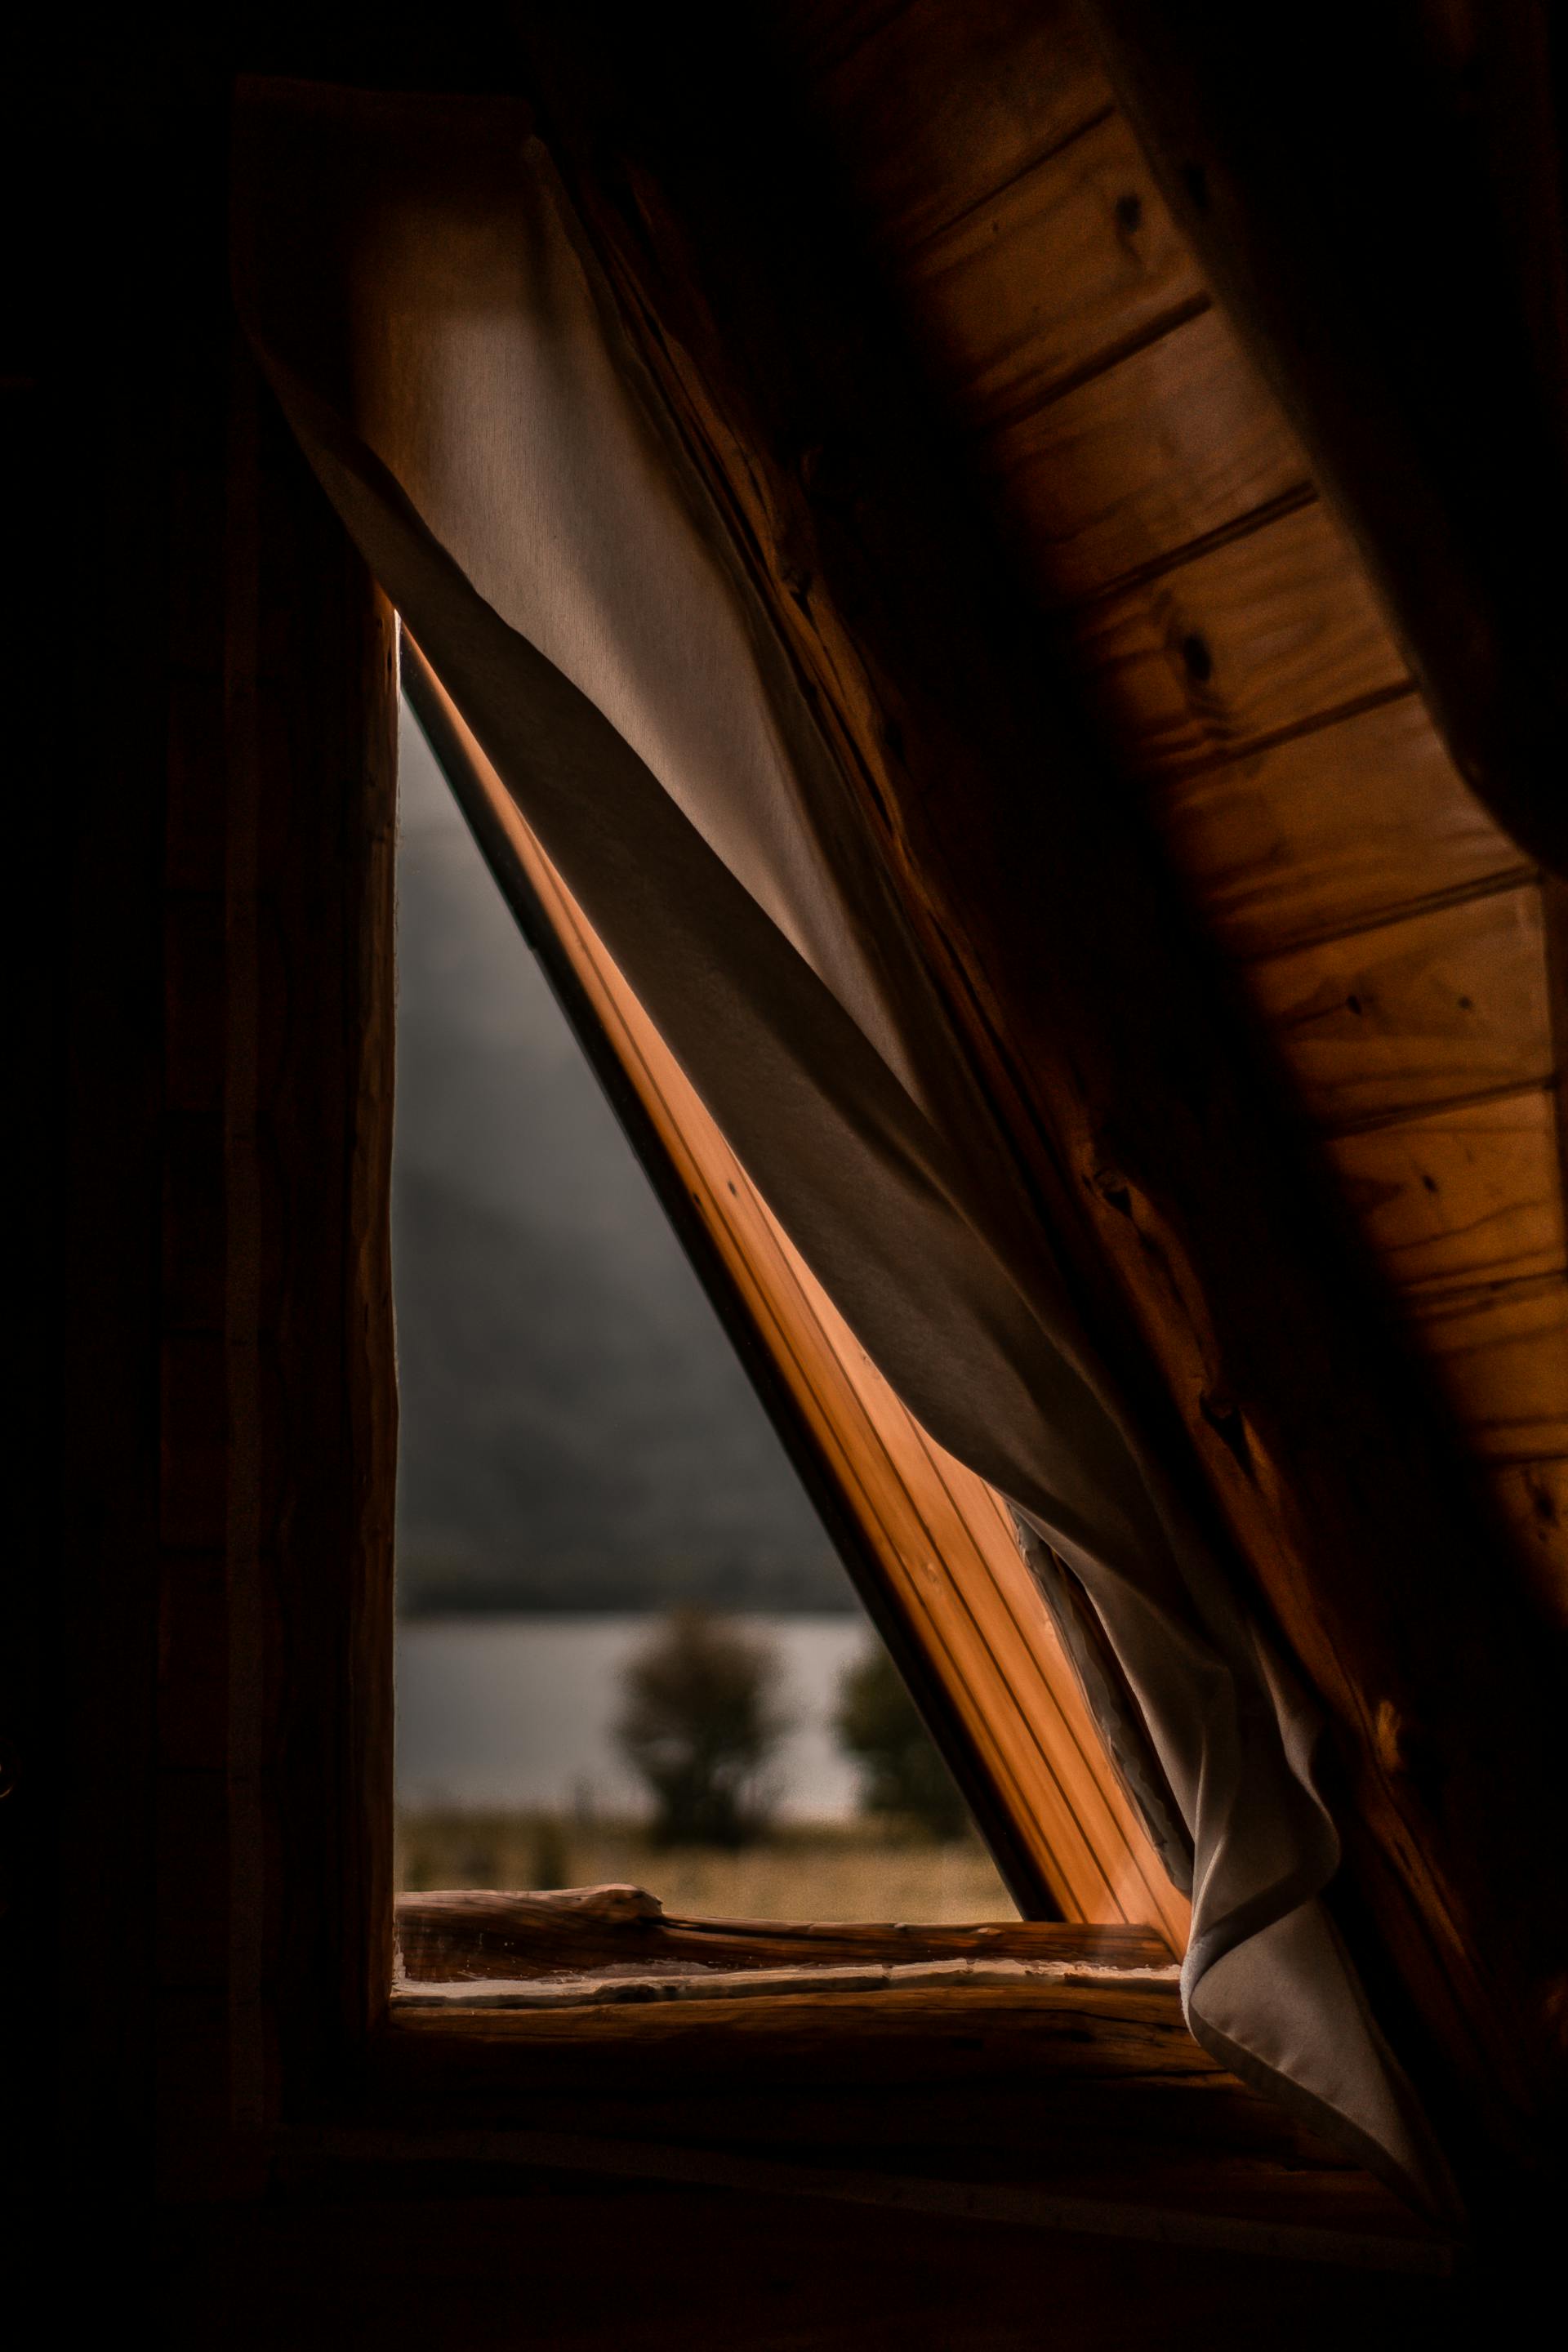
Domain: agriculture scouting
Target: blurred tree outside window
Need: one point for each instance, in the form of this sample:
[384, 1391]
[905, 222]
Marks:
[700, 1722]
[901, 1772]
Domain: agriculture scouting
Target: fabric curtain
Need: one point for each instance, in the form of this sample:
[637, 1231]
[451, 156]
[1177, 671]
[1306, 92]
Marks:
[423, 301]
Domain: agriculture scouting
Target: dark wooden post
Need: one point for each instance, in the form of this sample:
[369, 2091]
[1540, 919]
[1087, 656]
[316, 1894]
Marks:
[203, 693]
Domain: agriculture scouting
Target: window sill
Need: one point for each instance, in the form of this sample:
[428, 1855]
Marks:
[1035, 2074]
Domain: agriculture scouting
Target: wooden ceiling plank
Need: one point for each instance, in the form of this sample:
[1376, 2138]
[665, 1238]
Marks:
[1501, 1353]
[1463, 1195]
[1427, 373]
[1330, 829]
[1058, 274]
[1172, 444]
[1258, 637]
[932, 111]
[1432, 1008]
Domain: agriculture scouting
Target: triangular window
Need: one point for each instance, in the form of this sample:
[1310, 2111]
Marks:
[629, 1647]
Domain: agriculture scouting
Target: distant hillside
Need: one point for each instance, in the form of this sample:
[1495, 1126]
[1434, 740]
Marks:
[571, 1441]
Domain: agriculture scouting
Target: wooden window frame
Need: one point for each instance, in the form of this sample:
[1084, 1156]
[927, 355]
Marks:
[1082, 2104]
[203, 1943]
[930, 1548]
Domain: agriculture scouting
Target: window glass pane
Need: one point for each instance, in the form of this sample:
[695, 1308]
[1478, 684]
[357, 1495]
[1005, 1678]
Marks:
[618, 1612]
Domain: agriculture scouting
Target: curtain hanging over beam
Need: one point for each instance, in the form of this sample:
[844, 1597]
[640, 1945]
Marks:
[413, 277]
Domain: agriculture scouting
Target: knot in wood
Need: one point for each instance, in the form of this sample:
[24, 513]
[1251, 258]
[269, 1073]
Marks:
[1113, 1188]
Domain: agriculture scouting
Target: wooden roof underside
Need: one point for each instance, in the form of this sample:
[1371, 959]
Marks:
[1401, 951]
[1273, 1007]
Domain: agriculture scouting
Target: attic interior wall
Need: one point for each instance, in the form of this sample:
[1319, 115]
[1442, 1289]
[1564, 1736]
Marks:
[207, 681]
[145, 1864]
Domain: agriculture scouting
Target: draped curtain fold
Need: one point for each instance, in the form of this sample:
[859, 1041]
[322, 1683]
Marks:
[413, 277]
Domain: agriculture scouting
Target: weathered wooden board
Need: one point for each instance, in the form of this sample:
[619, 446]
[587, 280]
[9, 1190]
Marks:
[1065, 268]
[1472, 1195]
[1533, 1498]
[1330, 829]
[643, 1988]
[1118, 2036]
[1502, 1356]
[1176, 442]
[1091, 2084]
[1259, 637]
[1434, 1008]
[935, 109]
[465, 1935]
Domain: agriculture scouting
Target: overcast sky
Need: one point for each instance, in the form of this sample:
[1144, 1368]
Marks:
[575, 1429]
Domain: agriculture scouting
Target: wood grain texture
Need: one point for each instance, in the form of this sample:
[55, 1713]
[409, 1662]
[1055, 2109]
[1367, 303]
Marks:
[1065, 267]
[1176, 442]
[861, 2069]
[1256, 637]
[932, 110]
[1502, 1352]
[1465, 1195]
[1427, 374]
[926, 2041]
[1433, 1008]
[948, 1552]
[1329, 830]
[1090, 2086]
[443, 1937]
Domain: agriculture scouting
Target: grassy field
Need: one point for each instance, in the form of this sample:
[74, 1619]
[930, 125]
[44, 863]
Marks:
[859, 1870]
